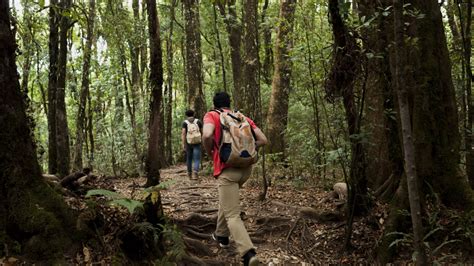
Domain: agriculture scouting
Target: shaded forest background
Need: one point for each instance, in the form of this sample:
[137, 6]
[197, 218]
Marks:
[107, 82]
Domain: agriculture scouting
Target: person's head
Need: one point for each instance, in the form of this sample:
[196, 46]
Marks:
[189, 113]
[221, 100]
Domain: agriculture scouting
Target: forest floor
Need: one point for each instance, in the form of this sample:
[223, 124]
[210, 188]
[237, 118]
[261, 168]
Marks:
[292, 225]
[296, 224]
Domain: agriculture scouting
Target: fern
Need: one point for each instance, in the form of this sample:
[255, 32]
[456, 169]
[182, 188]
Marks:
[116, 199]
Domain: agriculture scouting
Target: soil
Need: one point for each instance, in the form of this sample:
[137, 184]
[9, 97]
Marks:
[295, 224]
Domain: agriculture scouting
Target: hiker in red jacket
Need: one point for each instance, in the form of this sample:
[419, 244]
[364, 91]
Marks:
[229, 177]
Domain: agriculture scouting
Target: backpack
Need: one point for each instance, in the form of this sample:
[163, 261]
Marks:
[237, 143]
[193, 135]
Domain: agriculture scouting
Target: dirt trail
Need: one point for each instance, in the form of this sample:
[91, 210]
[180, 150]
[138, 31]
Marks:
[276, 225]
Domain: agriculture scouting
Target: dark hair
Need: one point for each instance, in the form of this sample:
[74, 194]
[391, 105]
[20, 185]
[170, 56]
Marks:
[221, 99]
[189, 113]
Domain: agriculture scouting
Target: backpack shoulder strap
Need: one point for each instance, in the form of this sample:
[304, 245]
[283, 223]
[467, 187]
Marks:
[195, 121]
[186, 121]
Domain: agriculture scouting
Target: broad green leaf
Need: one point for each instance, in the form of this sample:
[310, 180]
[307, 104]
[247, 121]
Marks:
[130, 204]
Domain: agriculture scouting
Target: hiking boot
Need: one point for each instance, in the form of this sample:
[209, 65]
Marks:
[190, 176]
[223, 240]
[195, 176]
[250, 258]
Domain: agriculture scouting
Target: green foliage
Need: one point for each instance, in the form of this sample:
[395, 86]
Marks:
[131, 205]
[116, 199]
[174, 243]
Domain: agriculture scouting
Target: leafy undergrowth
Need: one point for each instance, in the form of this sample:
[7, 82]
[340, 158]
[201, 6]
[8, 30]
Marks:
[293, 225]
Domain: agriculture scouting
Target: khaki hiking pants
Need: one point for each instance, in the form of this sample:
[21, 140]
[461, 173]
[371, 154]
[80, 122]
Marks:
[228, 216]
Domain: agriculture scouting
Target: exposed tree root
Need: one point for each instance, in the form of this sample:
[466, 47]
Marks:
[320, 216]
[197, 247]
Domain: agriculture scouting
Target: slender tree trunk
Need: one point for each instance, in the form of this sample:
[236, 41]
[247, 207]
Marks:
[31, 214]
[235, 36]
[155, 149]
[219, 45]
[169, 87]
[408, 144]
[313, 92]
[195, 97]
[465, 19]
[52, 86]
[251, 63]
[267, 65]
[277, 117]
[62, 131]
[132, 98]
[81, 112]
[90, 129]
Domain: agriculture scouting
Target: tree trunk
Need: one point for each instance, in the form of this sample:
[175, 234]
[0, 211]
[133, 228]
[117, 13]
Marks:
[52, 86]
[251, 64]
[386, 168]
[62, 131]
[31, 214]
[267, 65]
[195, 97]
[219, 46]
[277, 117]
[435, 119]
[136, 82]
[81, 112]
[341, 82]
[155, 148]
[169, 87]
[465, 17]
[235, 36]
[408, 144]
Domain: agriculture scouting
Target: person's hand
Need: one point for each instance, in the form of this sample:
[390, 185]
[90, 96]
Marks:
[184, 148]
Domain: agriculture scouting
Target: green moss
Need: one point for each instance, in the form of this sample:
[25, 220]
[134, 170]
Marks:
[41, 216]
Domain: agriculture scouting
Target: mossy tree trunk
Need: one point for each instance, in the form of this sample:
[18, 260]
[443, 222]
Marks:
[155, 139]
[277, 117]
[31, 213]
[195, 97]
[52, 85]
[251, 63]
[234, 32]
[62, 131]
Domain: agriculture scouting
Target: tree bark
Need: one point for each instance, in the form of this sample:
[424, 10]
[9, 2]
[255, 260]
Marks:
[31, 214]
[155, 147]
[62, 131]
[235, 36]
[251, 63]
[84, 94]
[465, 17]
[340, 82]
[435, 119]
[386, 168]
[195, 97]
[277, 117]
[219, 46]
[52, 86]
[169, 87]
[267, 65]
[135, 86]
[408, 143]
